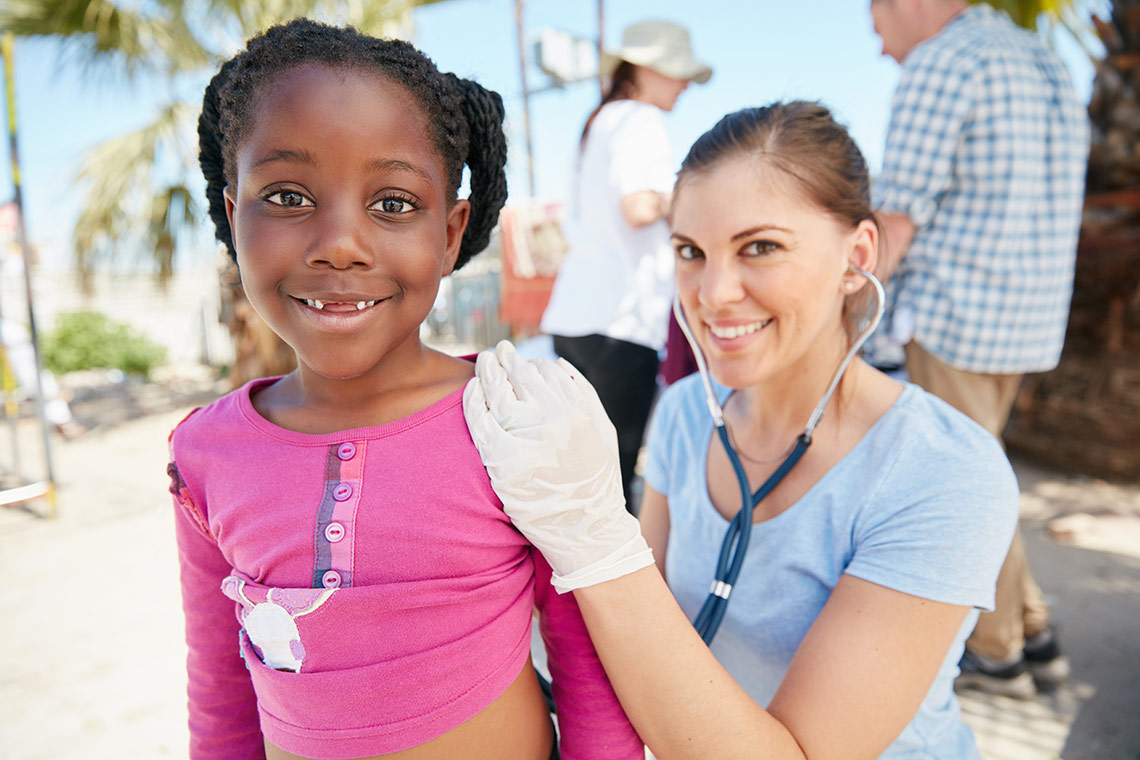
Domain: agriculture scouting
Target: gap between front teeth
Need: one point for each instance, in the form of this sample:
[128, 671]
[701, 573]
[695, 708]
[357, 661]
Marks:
[360, 305]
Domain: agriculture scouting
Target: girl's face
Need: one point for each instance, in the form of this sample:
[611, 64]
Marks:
[762, 273]
[341, 218]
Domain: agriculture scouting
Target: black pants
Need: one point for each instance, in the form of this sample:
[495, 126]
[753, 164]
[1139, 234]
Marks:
[625, 376]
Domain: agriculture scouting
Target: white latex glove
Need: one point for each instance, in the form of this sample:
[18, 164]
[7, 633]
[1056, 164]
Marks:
[552, 456]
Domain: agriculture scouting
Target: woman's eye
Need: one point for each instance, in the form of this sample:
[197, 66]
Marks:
[393, 206]
[289, 199]
[688, 252]
[760, 248]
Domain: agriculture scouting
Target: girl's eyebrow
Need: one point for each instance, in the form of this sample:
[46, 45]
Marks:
[396, 165]
[303, 156]
[286, 156]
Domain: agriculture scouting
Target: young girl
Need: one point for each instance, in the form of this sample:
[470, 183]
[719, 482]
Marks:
[867, 563]
[336, 528]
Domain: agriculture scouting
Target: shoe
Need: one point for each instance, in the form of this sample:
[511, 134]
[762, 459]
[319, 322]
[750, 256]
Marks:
[1012, 680]
[1043, 657]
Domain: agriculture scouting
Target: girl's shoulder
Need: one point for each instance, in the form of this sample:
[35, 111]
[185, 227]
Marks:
[227, 408]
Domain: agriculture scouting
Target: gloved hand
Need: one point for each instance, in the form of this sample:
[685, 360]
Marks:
[552, 456]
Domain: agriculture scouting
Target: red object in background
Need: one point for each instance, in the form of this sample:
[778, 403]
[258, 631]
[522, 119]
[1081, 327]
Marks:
[532, 249]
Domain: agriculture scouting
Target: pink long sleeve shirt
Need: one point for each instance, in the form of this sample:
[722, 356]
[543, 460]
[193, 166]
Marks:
[362, 592]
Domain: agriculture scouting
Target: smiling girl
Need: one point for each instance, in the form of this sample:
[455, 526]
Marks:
[336, 528]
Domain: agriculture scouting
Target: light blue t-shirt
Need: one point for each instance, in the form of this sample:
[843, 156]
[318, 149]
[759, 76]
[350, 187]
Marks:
[925, 503]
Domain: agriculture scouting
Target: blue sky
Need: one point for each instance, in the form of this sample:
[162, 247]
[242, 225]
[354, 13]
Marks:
[759, 51]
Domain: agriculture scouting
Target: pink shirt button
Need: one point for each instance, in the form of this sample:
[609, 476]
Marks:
[331, 579]
[334, 532]
[343, 492]
[346, 451]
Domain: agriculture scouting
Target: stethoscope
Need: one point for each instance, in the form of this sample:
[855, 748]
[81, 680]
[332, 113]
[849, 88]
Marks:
[735, 544]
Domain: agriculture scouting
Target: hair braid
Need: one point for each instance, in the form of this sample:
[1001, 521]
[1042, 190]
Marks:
[487, 158]
[210, 157]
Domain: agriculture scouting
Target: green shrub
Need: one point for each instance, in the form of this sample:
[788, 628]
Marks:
[90, 340]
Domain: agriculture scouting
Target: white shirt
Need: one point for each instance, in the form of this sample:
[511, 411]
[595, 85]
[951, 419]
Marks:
[616, 280]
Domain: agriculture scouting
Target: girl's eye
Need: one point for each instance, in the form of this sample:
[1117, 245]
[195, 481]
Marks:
[289, 199]
[760, 248]
[688, 252]
[393, 206]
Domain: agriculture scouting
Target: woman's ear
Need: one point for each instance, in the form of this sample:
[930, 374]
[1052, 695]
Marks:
[457, 217]
[863, 254]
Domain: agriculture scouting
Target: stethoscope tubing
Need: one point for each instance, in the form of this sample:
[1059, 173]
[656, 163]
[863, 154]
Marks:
[734, 546]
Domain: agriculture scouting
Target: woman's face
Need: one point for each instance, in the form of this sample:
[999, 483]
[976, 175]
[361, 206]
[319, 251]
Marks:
[762, 273]
[657, 89]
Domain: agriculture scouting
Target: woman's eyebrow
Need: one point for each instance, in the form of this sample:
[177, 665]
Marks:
[759, 228]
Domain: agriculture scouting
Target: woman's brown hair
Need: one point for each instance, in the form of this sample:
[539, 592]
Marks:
[621, 88]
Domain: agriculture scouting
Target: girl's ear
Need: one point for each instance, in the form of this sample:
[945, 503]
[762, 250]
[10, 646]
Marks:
[864, 254]
[228, 194]
[457, 217]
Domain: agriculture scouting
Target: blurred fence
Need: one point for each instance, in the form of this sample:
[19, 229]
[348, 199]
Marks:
[183, 317]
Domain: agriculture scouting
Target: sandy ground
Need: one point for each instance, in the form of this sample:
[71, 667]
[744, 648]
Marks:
[91, 653]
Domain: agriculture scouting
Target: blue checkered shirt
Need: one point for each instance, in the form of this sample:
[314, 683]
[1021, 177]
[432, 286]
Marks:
[986, 154]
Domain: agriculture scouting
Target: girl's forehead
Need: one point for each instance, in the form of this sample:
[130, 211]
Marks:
[315, 80]
[339, 110]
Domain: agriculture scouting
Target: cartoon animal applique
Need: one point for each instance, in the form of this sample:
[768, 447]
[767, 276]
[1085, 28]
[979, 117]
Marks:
[268, 619]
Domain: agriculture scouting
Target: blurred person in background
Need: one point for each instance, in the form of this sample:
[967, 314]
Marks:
[609, 310]
[980, 201]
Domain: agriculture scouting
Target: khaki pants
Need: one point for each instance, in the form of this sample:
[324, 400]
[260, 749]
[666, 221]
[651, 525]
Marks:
[1019, 606]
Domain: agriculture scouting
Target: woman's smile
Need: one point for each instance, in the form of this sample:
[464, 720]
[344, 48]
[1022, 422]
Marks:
[728, 336]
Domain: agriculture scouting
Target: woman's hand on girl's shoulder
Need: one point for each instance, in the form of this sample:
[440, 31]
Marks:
[551, 454]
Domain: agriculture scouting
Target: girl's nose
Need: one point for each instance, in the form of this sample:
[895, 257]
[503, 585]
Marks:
[342, 242]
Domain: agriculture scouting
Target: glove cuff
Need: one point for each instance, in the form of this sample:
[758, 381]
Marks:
[630, 557]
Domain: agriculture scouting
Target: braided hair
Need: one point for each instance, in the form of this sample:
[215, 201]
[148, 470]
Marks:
[466, 120]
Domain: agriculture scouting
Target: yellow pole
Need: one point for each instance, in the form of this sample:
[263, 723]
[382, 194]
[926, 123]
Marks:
[7, 44]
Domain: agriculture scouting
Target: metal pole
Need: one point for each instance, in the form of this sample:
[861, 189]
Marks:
[8, 46]
[525, 94]
[601, 45]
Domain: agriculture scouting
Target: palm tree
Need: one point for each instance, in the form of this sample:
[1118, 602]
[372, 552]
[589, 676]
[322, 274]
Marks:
[139, 183]
[1085, 414]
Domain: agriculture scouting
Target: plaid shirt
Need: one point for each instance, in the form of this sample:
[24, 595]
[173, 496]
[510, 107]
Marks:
[986, 154]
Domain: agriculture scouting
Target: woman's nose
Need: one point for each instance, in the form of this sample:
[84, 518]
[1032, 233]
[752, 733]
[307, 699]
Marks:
[342, 241]
[720, 284]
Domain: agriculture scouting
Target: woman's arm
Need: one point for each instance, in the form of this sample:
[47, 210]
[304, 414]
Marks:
[856, 679]
[644, 207]
[654, 519]
[854, 684]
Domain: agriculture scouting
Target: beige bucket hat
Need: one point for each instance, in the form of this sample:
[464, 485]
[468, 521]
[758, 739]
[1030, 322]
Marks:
[659, 45]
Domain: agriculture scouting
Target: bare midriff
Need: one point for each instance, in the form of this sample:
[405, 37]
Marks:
[516, 725]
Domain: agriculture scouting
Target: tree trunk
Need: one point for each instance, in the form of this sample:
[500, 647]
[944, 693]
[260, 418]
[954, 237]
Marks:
[1085, 414]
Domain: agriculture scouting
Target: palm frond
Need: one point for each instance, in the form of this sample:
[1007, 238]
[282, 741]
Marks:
[103, 32]
[119, 207]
